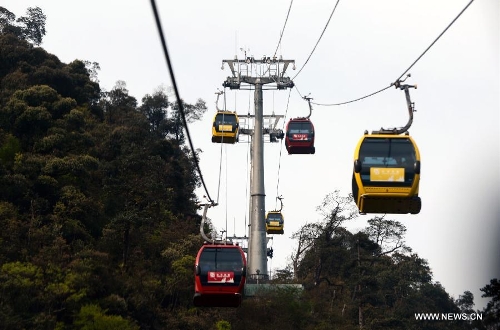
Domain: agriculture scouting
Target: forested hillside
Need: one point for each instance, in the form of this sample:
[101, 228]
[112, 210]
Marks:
[100, 226]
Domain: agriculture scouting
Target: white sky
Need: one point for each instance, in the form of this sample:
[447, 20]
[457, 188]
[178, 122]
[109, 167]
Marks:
[367, 45]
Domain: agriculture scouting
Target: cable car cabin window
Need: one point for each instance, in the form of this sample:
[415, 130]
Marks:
[225, 119]
[221, 260]
[300, 127]
[274, 217]
[387, 162]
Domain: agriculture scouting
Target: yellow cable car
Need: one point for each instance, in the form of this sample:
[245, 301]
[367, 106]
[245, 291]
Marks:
[275, 222]
[386, 174]
[225, 128]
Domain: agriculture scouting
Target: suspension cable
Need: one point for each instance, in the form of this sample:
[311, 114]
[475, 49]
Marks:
[221, 145]
[406, 71]
[401, 76]
[283, 30]
[355, 100]
[328, 22]
[177, 95]
[281, 148]
[248, 153]
[220, 171]
[220, 154]
[225, 156]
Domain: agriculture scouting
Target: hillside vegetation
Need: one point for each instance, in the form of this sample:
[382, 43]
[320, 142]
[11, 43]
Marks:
[100, 224]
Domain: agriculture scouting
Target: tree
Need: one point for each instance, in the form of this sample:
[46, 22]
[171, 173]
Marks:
[30, 28]
[466, 302]
[283, 275]
[305, 237]
[335, 210]
[8, 25]
[90, 196]
[7, 19]
[92, 68]
[388, 234]
[155, 108]
[33, 25]
[117, 103]
[492, 310]
[191, 113]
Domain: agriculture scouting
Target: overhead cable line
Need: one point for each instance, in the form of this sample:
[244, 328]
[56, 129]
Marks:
[283, 30]
[471, 1]
[225, 156]
[247, 186]
[399, 78]
[177, 95]
[220, 171]
[328, 22]
[281, 148]
[355, 100]
[220, 157]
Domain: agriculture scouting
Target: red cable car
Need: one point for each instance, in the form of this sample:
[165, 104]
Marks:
[220, 274]
[299, 137]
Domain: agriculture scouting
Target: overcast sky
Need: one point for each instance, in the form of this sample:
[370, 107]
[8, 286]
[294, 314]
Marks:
[366, 46]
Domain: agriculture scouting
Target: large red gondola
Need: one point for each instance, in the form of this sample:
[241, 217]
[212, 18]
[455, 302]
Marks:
[299, 137]
[220, 274]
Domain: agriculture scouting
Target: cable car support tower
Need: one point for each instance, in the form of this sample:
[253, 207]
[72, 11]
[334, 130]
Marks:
[268, 72]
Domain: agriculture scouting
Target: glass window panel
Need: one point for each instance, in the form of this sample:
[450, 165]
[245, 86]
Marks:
[299, 127]
[387, 153]
[228, 119]
[221, 258]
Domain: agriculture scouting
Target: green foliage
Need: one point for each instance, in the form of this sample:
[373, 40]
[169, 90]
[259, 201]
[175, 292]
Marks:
[37, 96]
[492, 310]
[29, 293]
[283, 275]
[276, 309]
[8, 150]
[33, 25]
[88, 203]
[30, 27]
[182, 273]
[174, 126]
[6, 18]
[223, 325]
[368, 279]
[92, 317]
[155, 108]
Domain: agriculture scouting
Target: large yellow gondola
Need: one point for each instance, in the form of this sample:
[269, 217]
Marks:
[386, 174]
[275, 223]
[225, 128]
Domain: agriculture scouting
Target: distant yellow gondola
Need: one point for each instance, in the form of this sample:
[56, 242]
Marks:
[275, 223]
[225, 128]
[386, 174]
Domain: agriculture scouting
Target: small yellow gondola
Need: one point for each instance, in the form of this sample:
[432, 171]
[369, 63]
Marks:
[225, 128]
[386, 174]
[275, 222]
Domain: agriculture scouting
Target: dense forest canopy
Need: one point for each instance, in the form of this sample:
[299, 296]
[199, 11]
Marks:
[100, 224]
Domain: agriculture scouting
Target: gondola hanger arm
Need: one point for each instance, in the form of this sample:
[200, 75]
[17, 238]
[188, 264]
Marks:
[281, 203]
[308, 99]
[410, 106]
[203, 220]
[219, 93]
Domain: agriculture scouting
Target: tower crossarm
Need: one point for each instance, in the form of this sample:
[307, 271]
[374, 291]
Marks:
[272, 70]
